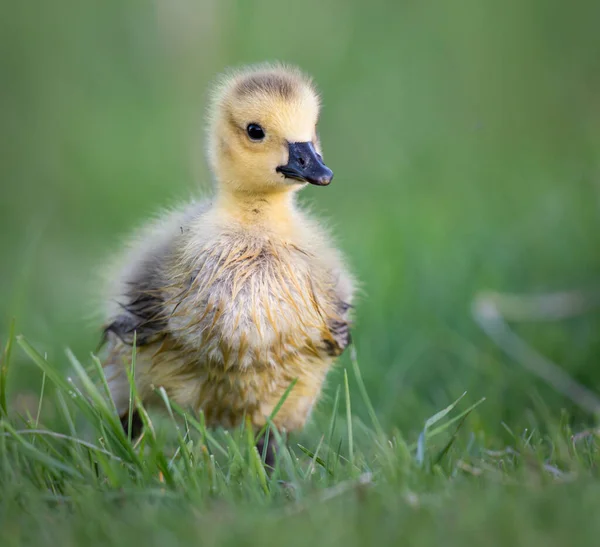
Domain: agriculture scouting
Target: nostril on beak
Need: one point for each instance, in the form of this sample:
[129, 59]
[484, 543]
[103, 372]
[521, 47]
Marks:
[301, 161]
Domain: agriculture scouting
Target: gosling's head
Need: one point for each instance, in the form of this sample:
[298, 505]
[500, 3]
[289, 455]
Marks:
[263, 131]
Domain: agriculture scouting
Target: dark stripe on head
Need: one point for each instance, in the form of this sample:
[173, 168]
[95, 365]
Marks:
[268, 83]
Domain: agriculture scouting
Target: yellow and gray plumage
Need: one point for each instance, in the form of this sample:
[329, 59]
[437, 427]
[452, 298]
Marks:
[233, 298]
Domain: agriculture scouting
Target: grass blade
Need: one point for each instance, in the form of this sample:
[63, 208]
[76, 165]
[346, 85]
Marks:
[349, 419]
[277, 408]
[442, 413]
[4, 367]
[363, 391]
[40, 456]
[449, 444]
[132, 390]
[436, 431]
[41, 401]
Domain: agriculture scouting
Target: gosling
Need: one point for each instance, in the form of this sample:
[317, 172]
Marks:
[230, 300]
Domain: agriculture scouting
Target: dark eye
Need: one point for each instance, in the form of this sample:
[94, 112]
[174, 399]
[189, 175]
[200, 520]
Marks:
[255, 132]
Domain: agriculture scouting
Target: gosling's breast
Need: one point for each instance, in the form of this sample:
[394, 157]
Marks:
[252, 304]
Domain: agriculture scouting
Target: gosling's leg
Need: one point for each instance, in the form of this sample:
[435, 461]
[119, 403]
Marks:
[119, 388]
[137, 426]
[268, 448]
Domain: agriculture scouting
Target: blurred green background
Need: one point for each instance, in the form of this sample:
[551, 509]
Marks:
[464, 137]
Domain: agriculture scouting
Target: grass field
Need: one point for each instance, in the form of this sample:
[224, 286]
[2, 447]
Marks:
[465, 141]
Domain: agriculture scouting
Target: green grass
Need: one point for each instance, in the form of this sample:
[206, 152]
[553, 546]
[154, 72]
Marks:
[465, 141]
[350, 484]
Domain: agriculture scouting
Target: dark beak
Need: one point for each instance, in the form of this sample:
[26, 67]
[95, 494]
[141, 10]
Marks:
[306, 165]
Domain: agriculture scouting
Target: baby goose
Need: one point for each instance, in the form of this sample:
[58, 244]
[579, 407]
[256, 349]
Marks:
[234, 298]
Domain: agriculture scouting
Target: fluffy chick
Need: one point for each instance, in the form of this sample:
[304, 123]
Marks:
[233, 298]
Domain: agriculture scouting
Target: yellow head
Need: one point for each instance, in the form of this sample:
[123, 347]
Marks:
[262, 132]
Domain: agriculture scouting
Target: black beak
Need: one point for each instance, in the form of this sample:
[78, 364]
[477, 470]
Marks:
[305, 164]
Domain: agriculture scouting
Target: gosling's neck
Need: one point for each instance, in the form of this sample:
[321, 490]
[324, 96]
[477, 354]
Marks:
[273, 212]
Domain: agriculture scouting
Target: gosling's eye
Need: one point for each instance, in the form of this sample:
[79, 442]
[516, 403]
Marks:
[255, 132]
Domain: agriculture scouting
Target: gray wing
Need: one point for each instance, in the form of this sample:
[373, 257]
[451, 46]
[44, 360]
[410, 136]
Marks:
[340, 328]
[138, 304]
[142, 308]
